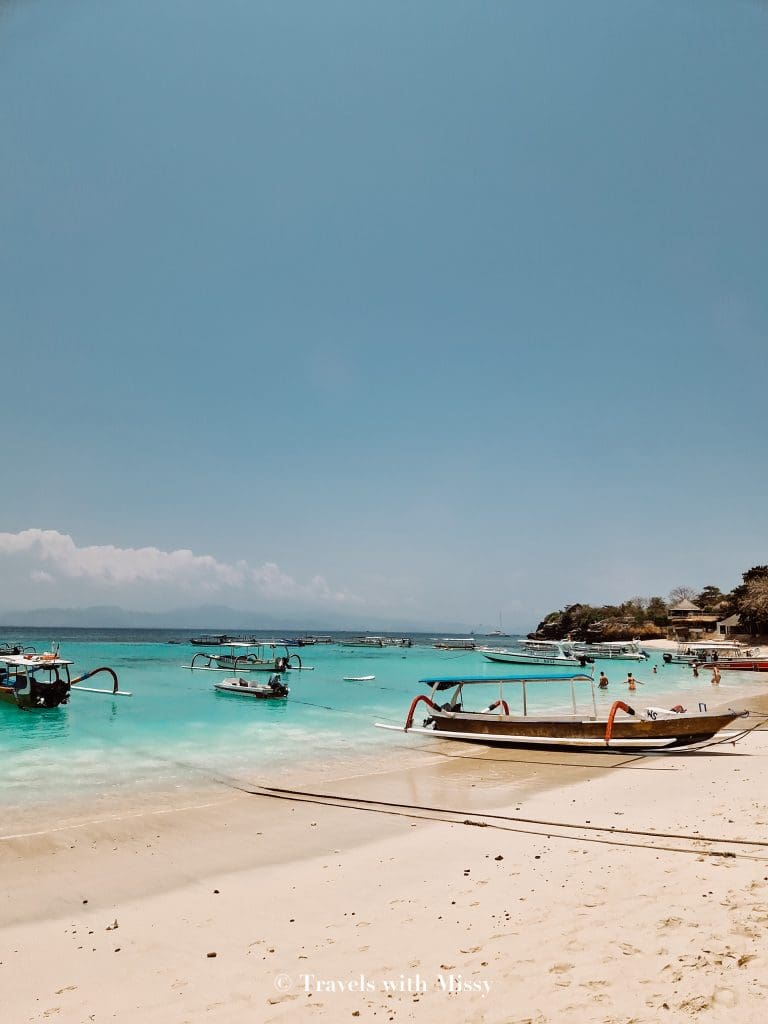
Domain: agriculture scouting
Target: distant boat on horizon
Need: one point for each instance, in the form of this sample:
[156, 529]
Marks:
[500, 631]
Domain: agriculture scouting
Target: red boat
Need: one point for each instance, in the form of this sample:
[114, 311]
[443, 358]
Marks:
[740, 664]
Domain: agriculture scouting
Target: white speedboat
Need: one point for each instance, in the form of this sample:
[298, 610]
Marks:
[705, 651]
[541, 652]
[275, 689]
[609, 650]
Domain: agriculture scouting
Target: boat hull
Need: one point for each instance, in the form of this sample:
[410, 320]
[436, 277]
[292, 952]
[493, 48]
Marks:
[633, 733]
[531, 659]
[38, 695]
[739, 664]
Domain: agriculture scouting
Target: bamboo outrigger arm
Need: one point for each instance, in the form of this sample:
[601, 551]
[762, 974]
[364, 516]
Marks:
[115, 691]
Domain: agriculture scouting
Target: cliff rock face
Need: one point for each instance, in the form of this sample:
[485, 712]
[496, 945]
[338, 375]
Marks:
[582, 622]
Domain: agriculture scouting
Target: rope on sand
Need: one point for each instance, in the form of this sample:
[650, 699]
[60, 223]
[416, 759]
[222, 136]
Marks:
[499, 822]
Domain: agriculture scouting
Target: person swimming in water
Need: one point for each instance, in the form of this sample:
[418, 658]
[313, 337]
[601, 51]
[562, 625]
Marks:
[632, 682]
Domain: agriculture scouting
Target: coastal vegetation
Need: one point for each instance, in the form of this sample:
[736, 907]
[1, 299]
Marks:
[652, 617]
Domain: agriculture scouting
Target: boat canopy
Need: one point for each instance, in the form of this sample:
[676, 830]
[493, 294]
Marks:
[34, 661]
[445, 683]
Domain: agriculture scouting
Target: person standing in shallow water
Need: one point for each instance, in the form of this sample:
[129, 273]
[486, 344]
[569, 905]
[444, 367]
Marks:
[631, 682]
[603, 681]
[715, 676]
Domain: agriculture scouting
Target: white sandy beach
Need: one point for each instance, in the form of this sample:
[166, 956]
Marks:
[327, 913]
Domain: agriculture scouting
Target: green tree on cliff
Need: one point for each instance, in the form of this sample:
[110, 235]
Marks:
[751, 599]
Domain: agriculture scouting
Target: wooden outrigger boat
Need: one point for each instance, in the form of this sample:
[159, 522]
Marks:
[44, 680]
[652, 729]
[241, 656]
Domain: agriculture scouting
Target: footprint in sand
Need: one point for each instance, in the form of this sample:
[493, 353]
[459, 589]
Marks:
[695, 1004]
[560, 968]
[669, 922]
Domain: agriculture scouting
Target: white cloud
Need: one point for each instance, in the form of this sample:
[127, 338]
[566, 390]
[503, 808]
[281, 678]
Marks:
[52, 556]
[41, 576]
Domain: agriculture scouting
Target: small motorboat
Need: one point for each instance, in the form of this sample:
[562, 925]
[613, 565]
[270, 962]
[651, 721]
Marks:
[275, 689]
[358, 679]
[651, 730]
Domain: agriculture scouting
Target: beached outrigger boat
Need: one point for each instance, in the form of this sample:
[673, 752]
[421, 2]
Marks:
[261, 656]
[274, 689]
[651, 729]
[44, 680]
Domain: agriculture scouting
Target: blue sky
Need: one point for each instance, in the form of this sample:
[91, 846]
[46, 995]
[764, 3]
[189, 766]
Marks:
[414, 312]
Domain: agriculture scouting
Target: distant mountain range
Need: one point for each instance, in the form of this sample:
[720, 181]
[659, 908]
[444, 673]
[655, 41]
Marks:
[207, 617]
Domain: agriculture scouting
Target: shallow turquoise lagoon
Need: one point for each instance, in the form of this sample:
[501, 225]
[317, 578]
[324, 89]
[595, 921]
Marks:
[176, 729]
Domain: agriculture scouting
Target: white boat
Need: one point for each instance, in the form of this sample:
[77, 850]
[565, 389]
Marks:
[363, 641]
[260, 656]
[274, 689]
[608, 650]
[358, 679]
[706, 652]
[500, 632]
[533, 652]
[456, 643]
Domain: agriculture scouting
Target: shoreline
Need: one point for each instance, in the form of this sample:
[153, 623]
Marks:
[297, 897]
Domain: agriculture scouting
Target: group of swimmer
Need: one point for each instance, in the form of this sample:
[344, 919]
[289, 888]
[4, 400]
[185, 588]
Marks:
[632, 683]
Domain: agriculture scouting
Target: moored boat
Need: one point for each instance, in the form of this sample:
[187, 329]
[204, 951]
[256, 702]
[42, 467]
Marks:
[274, 689]
[652, 729]
[607, 650]
[533, 652]
[723, 654]
[456, 643]
[44, 680]
[241, 656]
[211, 639]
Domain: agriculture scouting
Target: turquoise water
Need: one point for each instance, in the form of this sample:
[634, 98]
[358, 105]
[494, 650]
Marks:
[177, 730]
